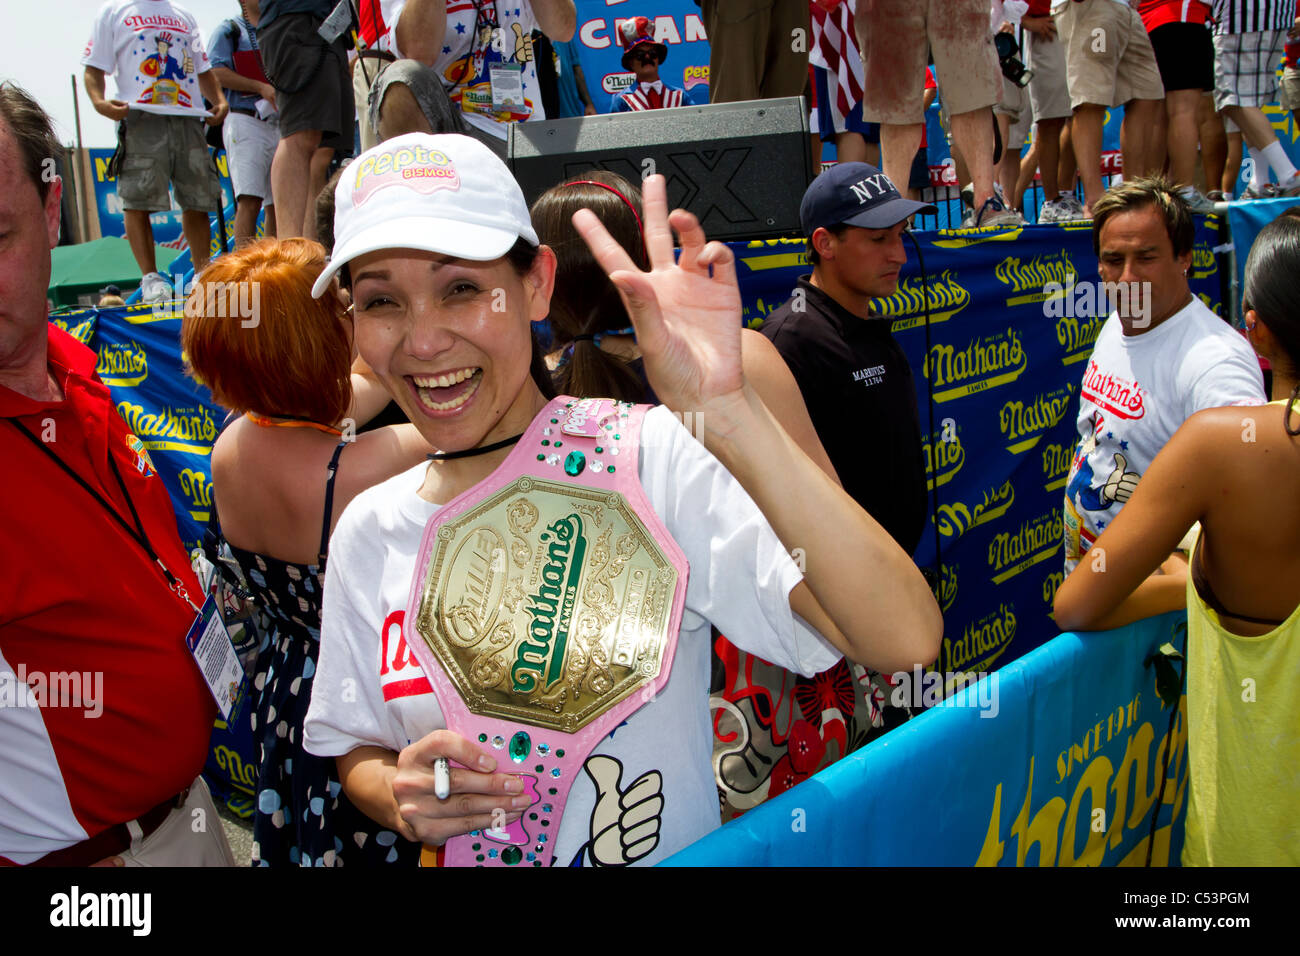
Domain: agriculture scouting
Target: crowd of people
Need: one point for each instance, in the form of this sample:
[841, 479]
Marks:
[466, 545]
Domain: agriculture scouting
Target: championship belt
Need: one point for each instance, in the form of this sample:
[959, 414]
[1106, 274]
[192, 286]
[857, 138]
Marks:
[546, 604]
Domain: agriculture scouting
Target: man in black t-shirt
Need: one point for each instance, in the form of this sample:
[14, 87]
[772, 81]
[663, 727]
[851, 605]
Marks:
[854, 377]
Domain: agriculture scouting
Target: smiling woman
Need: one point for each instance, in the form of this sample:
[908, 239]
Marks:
[540, 582]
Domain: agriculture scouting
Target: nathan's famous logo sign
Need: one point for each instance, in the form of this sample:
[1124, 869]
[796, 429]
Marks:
[1203, 261]
[1114, 791]
[1030, 280]
[1024, 423]
[197, 489]
[1035, 541]
[550, 608]
[1056, 459]
[907, 306]
[957, 518]
[947, 586]
[1077, 334]
[189, 429]
[982, 642]
[122, 363]
[984, 363]
[944, 455]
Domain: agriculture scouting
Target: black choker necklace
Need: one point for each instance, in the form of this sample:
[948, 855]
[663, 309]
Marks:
[470, 452]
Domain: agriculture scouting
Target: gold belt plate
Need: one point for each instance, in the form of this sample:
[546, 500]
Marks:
[547, 603]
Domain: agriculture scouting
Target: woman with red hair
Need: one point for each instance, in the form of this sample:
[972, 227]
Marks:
[283, 471]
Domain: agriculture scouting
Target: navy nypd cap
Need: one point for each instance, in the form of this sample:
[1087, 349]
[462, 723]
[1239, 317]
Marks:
[855, 194]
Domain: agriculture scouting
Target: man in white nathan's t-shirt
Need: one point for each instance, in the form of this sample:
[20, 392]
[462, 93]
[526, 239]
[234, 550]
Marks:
[474, 58]
[1161, 356]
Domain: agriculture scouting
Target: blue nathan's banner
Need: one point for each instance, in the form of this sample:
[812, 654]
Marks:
[1012, 317]
[1061, 758]
[676, 24]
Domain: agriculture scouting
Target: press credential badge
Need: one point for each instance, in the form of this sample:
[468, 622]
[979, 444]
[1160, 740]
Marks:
[210, 644]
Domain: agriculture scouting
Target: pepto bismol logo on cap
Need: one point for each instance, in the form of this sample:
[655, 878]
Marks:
[424, 170]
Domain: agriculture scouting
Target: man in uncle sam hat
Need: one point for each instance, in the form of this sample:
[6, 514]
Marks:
[643, 57]
[854, 377]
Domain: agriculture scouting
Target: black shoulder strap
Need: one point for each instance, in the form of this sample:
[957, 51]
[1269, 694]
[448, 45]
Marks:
[329, 504]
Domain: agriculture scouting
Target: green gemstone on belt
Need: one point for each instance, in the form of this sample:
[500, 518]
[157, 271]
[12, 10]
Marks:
[521, 745]
[574, 464]
[511, 855]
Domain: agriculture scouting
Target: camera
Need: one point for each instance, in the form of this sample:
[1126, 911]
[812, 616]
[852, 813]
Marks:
[1012, 68]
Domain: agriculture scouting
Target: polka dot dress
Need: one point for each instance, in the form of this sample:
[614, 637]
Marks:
[302, 817]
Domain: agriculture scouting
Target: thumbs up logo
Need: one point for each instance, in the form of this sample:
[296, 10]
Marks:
[624, 822]
[1121, 482]
[523, 44]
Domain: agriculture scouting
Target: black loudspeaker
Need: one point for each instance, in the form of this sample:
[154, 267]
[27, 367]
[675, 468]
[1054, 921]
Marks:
[742, 168]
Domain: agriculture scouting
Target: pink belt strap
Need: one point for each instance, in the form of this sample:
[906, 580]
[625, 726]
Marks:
[547, 601]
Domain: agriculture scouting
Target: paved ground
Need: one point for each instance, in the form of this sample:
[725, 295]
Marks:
[239, 833]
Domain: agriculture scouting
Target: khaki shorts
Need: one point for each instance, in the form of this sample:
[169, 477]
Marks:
[1048, 90]
[191, 835]
[167, 150]
[893, 37]
[1289, 94]
[1108, 55]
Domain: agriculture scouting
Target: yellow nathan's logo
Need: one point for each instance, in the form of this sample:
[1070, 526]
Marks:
[945, 295]
[1052, 584]
[1078, 335]
[947, 587]
[1098, 814]
[1037, 540]
[780, 254]
[189, 429]
[984, 363]
[944, 456]
[124, 363]
[1204, 264]
[956, 519]
[1057, 459]
[1028, 280]
[1215, 307]
[197, 489]
[961, 238]
[981, 643]
[1024, 423]
[81, 331]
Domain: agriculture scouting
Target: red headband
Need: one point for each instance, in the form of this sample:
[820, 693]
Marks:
[627, 202]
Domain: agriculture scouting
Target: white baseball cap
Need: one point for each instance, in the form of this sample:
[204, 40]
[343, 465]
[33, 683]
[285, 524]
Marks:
[446, 193]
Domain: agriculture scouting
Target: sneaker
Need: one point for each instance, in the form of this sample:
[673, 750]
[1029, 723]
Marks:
[155, 288]
[1054, 210]
[1216, 195]
[1266, 191]
[968, 196]
[1073, 206]
[992, 213]
[1196, 200]
[1291, 187]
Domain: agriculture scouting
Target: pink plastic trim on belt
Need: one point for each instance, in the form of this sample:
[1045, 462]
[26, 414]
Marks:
[555, 758]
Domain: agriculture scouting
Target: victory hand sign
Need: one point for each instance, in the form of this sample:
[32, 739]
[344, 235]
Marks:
[686, 312]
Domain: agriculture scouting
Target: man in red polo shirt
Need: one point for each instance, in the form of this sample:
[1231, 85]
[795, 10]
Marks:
[104, 715]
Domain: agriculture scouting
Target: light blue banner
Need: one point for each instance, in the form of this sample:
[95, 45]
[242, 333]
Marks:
[1055, 760]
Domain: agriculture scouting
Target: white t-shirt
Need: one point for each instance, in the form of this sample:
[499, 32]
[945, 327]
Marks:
[1137, 391]
[472, 48]
[155, 53]
[370, 690]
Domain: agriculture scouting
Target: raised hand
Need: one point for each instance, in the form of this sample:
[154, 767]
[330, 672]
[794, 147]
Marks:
[686, 313]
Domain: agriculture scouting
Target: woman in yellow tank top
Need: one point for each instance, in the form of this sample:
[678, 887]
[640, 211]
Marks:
[1236, 470]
